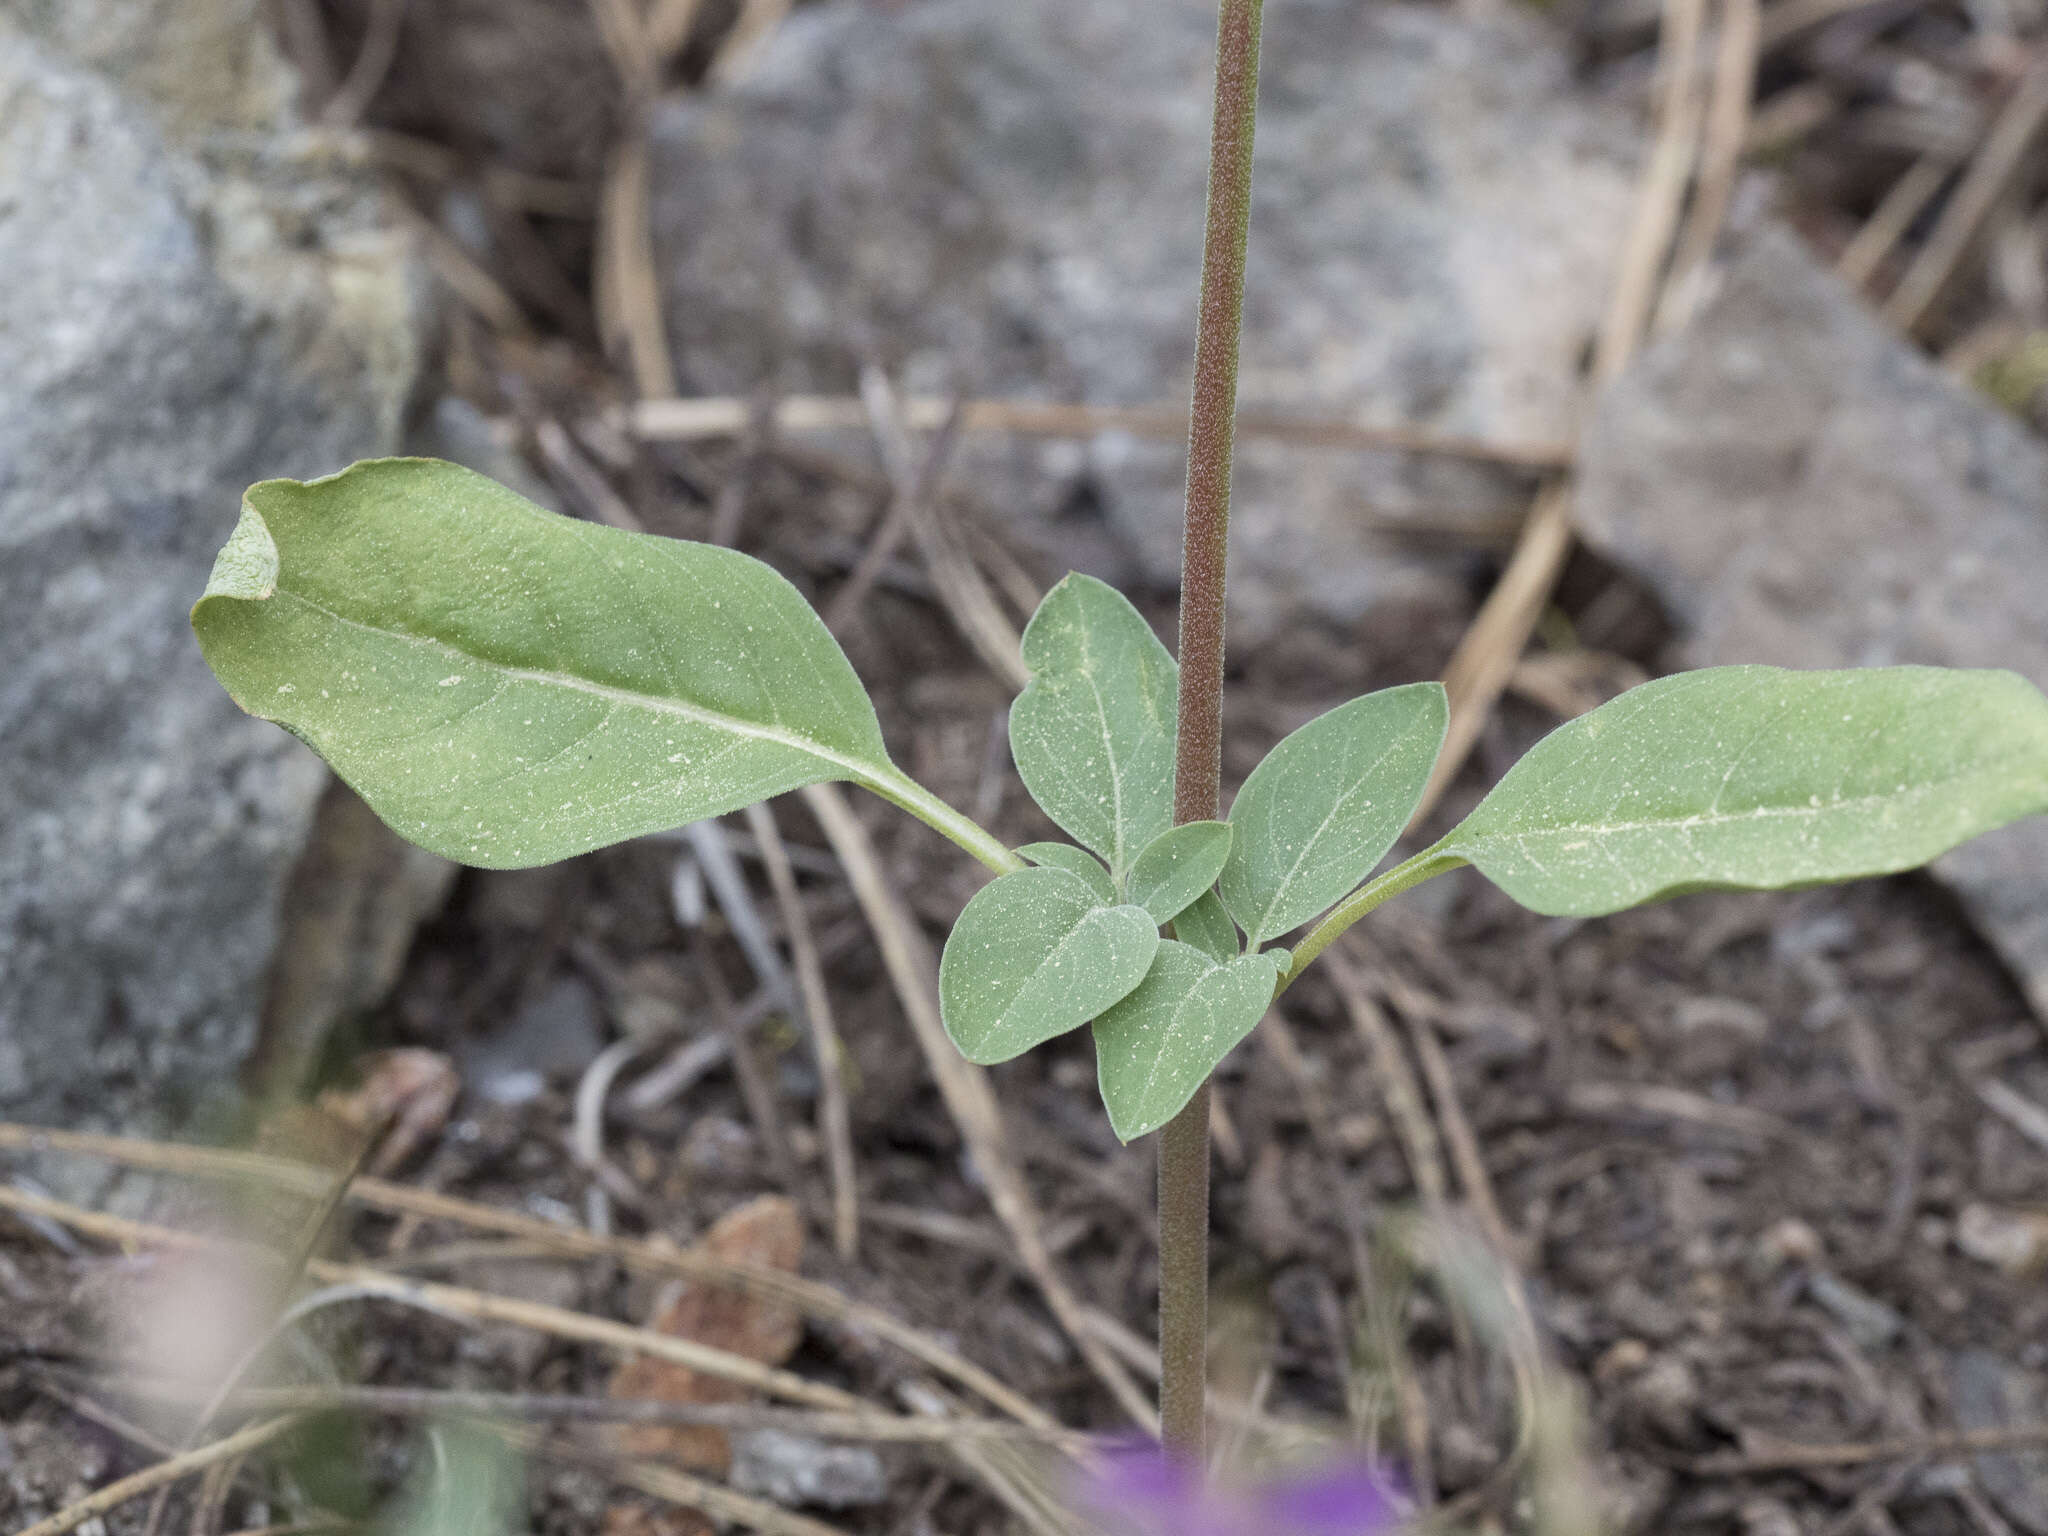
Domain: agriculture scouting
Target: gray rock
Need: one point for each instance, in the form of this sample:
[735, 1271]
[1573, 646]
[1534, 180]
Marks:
[795, 1470]
[1805, 489]
[187, 307]
[1006, 196]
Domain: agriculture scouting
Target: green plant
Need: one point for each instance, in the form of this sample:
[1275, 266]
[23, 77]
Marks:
[508, 687]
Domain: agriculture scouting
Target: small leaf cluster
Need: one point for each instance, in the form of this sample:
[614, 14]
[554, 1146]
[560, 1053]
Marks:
[508, 687]
[1077, 938]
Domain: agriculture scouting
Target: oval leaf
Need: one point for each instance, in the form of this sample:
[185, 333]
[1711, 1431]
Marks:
[509, 687]
[1759, 777]
[1034, 955]
[1077, 861]
[1177, 866]
[1093, 732]
[1208, 927]
[1326, 805]
[1157, 1046]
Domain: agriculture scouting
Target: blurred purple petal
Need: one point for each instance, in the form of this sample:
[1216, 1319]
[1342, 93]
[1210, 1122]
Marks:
[1349, 1499]
[1140, 1491]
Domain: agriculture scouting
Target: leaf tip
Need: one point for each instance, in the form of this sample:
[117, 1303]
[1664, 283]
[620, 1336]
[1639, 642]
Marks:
[246, 567]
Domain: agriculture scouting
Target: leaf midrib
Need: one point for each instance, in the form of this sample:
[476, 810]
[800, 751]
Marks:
[1714, 818]
[1261, 934]
[1059, 949]
[857, 768]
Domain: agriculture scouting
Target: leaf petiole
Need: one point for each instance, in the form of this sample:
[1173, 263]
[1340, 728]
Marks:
[904, 792]
[1426, 865]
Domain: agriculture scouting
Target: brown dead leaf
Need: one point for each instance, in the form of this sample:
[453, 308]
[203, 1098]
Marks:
[769, 1231]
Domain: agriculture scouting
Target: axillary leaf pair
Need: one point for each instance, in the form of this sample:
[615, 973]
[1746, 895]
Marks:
[1046, 950]
[508, 687]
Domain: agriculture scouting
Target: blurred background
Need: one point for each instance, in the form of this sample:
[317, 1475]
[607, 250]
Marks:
[1584, 341]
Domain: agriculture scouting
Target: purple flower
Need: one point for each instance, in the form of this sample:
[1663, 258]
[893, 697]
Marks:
[1139, 1490]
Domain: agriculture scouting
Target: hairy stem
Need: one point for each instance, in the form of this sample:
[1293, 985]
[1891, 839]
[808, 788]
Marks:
[1184, 1141]
[901, 790]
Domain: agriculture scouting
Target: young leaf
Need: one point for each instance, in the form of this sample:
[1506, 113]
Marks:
[1078, 861]
[1177, 866]
[509, 687]
[1034, 955]
[1759, 777]
[1208, 927]
[1327, 803]
[1155, 1048]
[1093, 733]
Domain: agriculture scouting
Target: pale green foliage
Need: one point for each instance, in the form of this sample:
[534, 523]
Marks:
[509, 687]
[1093, 733]
[1208, 927]
[469, 1482]
[1757, 777]
[1077, 861]
[1326, 804]
[1158, 1045]
[1177, 866]
[1034, 955]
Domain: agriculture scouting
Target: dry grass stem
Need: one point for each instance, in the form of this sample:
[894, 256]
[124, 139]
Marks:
[808, 1296]
[683, 420]
[913, 971]
[1999, 159]
[963, 591]
[95, 1505]
[835, 1126]
[1726, 129]
[1899, 210]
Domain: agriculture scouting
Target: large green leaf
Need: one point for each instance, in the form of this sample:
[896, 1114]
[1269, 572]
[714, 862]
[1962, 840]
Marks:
[1093, 732]
[509, 687]
[1177, 866]
[1078, 861]
[1327, 803]
[1034, 955]
[1759, 777]
[1159, 1044]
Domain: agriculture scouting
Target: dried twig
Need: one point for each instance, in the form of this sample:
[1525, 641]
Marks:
[2000, 158]
[1403, 1096]
[1485, 658]
[372, 63]
[2018, 1111]
[1795, 1458]
[737, 49]
[962, 589]
[162, 1475]
[807, 1296]
[1900, 208]
[543, 1407]
[1656, 1102]
[1726, 128]
[476, 1306]
[907, 956]
[834, 1122]
[1462, 1142]
[674, 420]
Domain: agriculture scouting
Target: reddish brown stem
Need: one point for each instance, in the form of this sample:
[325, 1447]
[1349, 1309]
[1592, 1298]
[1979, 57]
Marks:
[1184, 1142]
